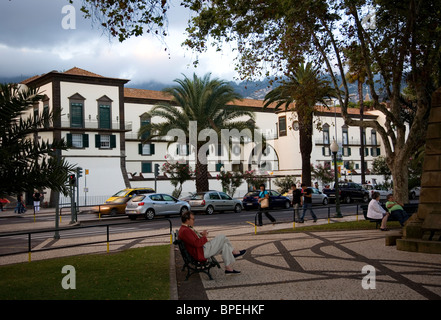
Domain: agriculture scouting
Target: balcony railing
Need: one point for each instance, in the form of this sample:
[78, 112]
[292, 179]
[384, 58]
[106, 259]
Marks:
[93, 124]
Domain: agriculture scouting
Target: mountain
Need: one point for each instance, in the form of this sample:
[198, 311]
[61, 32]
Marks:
[248, 89]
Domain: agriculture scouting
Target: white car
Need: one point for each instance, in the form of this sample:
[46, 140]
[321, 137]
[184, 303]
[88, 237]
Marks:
[414, 193]
[318, 197]
[155, 204]
[373, 188]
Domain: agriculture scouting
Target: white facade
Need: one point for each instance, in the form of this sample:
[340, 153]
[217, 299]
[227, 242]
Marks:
[100, 119]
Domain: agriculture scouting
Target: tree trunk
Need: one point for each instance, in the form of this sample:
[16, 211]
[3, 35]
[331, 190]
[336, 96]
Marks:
[201, 177]
[305, 132]
[399, 169]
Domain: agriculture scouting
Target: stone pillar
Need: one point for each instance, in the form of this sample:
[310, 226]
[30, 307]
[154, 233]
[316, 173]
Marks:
[422, 232]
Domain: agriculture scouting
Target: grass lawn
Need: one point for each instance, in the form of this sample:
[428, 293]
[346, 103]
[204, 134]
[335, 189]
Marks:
[140, 273]
[346, 225]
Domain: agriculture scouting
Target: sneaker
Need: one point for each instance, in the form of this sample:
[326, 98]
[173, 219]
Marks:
[241, 253]
[233, 272]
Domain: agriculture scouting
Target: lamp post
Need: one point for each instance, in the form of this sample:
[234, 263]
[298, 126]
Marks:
[334, 149]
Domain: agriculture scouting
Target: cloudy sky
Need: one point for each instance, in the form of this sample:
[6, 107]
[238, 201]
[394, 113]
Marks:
[33, 41]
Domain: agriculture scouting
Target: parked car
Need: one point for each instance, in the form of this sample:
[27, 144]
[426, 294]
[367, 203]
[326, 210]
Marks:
[113, 207]
[129, 192]
[373, 188]
[211, 201]
[318, 197]
[348, 191]
[414, 193]
[155, 204]
[277, 200]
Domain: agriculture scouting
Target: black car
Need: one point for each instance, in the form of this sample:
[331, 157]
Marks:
[276, 200]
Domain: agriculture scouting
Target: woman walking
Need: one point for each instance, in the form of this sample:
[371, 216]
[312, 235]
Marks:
[264, 205]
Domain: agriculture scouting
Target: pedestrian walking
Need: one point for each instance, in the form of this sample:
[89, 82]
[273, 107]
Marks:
[20, 208]
[296, 201]
[307, 203]
[37, 198]
[264, 205]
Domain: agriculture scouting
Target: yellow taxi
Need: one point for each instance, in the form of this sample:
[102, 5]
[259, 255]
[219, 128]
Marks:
[129, 192]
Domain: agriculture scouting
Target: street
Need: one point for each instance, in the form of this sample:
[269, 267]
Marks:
[91, 225]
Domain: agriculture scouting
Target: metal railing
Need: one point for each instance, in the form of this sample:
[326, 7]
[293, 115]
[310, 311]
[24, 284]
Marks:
[31, 250]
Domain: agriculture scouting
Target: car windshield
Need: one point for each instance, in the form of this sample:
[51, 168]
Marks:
[252, 194]
[138, 198]
[198, 196]
[121, 193]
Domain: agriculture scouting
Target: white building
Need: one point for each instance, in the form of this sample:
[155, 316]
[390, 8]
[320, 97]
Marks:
[100, 119]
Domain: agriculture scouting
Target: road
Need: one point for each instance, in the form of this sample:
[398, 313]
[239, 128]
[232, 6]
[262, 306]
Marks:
[90, 225]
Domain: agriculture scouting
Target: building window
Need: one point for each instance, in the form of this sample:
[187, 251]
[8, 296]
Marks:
[282, 126]
[373, 138]
[326, 133]
[345, 135]
[145, 121]
[76, 105]
[104, 117]
[146, 149]
[104, 112]
[146, 167]
[105, 141]
[77, 140]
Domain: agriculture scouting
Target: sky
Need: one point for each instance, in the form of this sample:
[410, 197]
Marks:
[35, 40]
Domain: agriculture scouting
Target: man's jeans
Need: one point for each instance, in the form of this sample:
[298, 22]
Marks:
[308, 206]
[296, 209]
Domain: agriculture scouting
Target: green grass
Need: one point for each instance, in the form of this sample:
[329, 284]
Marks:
[140, 273]
[346, 225]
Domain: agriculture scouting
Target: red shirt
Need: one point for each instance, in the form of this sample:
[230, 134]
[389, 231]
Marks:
[193, 244]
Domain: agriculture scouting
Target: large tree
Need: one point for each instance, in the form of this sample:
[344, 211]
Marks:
[27, 163]
[206, 103]
[401, 38]
[304, 88]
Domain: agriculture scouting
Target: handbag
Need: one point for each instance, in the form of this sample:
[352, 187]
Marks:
[264, 203]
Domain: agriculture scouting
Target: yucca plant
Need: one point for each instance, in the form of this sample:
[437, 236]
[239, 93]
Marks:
[25, 162]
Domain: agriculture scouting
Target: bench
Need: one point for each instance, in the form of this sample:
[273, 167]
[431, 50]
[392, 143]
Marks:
[194, 266]
[409, 208]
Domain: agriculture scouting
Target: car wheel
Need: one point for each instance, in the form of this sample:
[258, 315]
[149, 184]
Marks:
[150, 214]
[183, 210]
[412, 196]
[365, 198]
[287, 204]
[237, 208]
[325, 201]
[347, 199]
[210, 210]
[113, 212]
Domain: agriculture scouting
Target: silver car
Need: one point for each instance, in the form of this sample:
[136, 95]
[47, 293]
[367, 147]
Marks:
[318, 197]
[155, 204]
[212, 201]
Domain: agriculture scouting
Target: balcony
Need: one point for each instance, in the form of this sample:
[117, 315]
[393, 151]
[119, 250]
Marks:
[94, 124]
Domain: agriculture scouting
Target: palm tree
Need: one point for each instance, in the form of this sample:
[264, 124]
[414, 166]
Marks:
[305, 88]
[206, 101]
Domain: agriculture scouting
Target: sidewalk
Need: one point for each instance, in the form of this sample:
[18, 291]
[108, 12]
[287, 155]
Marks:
[324, 265]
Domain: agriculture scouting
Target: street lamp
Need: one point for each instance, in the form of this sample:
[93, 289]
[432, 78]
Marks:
[334, 148]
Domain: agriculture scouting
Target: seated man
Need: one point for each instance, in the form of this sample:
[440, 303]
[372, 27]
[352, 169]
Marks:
[201, 249]
[396, 209]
